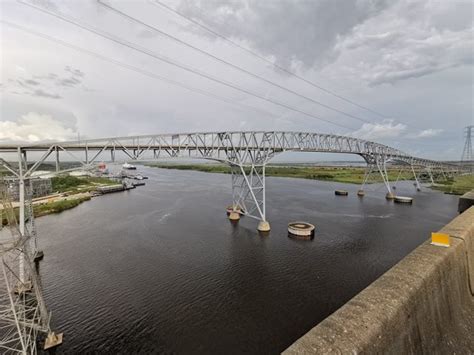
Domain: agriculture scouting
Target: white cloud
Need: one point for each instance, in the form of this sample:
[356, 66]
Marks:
[35, 127]
[397, 45]
[386, 129]
[427, 133]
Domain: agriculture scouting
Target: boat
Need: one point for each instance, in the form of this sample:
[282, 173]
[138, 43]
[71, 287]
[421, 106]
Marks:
[129, 166]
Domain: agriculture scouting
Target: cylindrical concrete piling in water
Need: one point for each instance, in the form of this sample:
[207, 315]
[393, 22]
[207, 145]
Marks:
[403, 199]
[263, 226]
[389, 196]
[234, 216]
[341, 192]
[301, 230]
[231, 209]
[361, 193]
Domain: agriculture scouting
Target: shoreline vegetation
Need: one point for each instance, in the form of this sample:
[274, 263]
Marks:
[344, 174]
[71, 191]
[68, 192]
[458, 186]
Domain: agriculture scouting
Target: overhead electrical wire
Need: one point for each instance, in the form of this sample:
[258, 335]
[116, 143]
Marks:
[257, 55]
[134, 68]
[232, 65]
[275, 65]
[175, 63]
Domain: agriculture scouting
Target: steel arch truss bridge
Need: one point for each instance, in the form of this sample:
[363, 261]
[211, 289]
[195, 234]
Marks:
[246, 152]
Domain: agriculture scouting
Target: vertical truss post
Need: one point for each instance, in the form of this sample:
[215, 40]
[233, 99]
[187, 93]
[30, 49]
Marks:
[430, 173]
[57, 158]
[417, 182]
[21, 212]
[381, 163]
[368, 171]
[248, 190]
[247, 162]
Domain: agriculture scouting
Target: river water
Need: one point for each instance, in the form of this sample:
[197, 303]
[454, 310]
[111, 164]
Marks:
[160, 269]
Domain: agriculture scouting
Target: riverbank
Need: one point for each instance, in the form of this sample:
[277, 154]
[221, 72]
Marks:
[350, 175]
[69, 192]
[458, 186]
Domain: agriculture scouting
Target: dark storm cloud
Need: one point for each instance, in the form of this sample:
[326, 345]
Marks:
[74, 71]
[42, 93]
[305, 31]
[50, 76]
[40, 85]
[69, 82]
[31, 82]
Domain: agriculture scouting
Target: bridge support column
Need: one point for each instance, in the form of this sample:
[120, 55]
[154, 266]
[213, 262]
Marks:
[382, 168]
[248, 192]
[430, 173]
[368, 172]
[417, 183]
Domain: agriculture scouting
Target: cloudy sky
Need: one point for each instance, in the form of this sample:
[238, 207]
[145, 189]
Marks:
[399, 72]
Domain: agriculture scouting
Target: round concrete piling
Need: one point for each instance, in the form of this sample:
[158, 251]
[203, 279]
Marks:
[341, 193]
[234, 216]
[361, 193]
[263, 226]
[390, 196]
[231, 209]
[301, 230]
[403, 199]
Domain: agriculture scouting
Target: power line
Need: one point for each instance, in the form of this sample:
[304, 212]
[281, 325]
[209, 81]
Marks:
[243, 70]
[279, 67]
[176, 64]
[133, 68]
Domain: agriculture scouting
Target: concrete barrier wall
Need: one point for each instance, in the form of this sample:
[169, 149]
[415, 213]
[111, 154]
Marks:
[424, 304]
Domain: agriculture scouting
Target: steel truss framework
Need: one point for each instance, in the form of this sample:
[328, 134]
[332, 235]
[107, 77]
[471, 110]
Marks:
[23, 313]
[247, 153]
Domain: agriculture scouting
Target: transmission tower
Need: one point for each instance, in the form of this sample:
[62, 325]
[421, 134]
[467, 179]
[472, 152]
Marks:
[467, 157]
[23, 314]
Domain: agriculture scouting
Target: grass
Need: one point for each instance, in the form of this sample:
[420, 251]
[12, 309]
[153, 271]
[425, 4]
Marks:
[74, 184]
[457, 186]
[69, 186]
[49, 207]
[58, 206]
[338, 174]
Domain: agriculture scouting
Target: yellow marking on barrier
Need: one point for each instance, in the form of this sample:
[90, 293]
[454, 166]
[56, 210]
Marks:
[440, 239]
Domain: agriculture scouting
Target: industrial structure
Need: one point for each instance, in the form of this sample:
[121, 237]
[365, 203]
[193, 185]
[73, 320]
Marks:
[22, 310]
[467, 159]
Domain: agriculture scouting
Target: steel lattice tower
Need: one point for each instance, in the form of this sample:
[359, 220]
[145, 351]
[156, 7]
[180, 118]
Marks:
[467, 157]
[23, 313]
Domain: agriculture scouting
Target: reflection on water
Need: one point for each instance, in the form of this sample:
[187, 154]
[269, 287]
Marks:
[160, 269]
